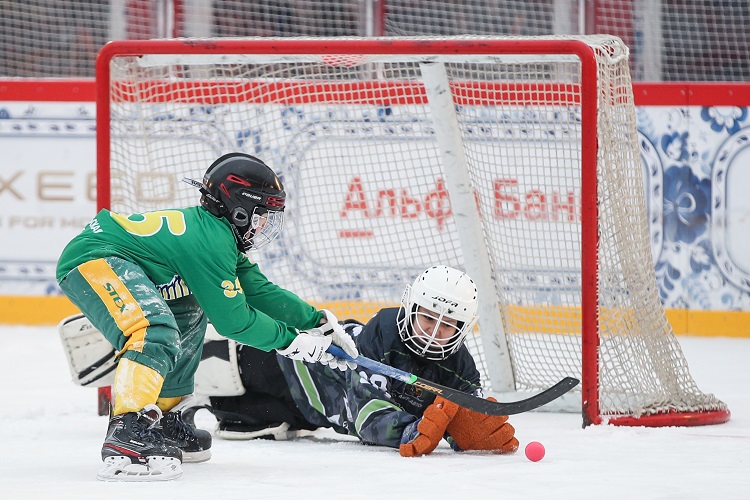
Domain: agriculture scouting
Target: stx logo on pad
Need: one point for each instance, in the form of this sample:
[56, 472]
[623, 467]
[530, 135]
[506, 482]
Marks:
[116, 299]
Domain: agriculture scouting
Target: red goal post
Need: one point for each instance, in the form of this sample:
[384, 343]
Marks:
[515, 159]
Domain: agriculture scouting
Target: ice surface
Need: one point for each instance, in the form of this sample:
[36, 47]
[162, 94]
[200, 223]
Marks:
[51, 437]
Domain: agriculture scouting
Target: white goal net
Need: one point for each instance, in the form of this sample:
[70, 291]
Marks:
[515, 159]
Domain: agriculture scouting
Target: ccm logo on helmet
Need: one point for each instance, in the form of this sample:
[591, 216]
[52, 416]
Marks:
[445, 301]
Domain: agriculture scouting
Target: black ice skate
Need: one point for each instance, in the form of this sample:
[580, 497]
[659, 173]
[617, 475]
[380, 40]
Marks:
[134, 451]
[179, 430]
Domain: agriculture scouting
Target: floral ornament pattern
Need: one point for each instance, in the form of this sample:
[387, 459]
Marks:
[724, 117]
[691, 157]
[695, 269]
[674, 146]
[701, 258]
[686, 204]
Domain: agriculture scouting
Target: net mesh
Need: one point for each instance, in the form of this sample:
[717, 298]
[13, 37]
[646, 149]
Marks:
[353, 140]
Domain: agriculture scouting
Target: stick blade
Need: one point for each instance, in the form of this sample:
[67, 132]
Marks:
[500, 408]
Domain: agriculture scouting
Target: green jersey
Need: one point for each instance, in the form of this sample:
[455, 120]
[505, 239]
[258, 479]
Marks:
[189, 251]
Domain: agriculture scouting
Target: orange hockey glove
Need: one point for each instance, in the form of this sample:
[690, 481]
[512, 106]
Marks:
[422, 437]
[476, 431]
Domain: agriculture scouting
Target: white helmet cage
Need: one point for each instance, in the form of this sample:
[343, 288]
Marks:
[448, 298]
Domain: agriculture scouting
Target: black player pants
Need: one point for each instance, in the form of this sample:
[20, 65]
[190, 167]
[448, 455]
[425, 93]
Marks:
[267, 399]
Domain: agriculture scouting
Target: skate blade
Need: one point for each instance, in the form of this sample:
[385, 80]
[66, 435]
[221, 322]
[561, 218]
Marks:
[195, 457]
[157, 469]
[279, 433]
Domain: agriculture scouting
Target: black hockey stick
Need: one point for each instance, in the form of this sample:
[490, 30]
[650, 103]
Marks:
[461, 398]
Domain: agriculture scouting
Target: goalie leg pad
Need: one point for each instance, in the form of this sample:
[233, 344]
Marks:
[92, 363]
[91, 358]
[218, 373]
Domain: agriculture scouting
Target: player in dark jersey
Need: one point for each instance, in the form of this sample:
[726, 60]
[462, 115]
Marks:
[150, 281]
[424, 336]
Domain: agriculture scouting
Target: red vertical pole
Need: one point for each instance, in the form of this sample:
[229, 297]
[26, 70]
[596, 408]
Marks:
[104, 396]
[590, 14]
[589, 240]
[178, 13]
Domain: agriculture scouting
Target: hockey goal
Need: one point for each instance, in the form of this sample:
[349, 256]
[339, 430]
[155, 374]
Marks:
[515, 159]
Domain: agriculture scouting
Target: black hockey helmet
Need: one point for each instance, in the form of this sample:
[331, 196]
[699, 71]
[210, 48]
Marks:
[246, 192]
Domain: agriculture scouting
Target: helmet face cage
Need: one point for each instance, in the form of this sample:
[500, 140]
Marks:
[260, 229]
[437, 312]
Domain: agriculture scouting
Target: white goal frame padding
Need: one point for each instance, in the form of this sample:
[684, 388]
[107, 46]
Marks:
[469, 226]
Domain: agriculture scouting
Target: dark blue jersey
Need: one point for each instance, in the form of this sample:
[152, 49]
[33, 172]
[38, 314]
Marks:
[367, 404]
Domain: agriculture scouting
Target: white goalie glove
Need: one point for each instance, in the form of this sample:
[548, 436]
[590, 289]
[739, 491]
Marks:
[333, 328]
[310, 345]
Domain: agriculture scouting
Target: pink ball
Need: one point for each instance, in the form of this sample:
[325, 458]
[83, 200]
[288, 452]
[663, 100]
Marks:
[534, 451]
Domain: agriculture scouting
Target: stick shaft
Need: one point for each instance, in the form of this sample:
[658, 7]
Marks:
[461, 398]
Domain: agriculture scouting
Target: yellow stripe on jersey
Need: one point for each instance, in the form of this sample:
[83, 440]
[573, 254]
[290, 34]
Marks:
[166, 404]
[126, 312]
[135, 386]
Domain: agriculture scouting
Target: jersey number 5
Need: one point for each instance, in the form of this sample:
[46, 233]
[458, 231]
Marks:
[150, 223]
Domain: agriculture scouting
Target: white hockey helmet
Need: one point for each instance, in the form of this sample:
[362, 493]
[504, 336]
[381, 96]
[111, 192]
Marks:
[447, 297]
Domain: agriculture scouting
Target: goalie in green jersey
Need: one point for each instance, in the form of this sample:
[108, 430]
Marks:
[150, 281]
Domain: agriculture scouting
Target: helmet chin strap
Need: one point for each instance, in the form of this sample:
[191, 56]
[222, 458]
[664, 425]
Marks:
[219, 210]
[238, 238]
